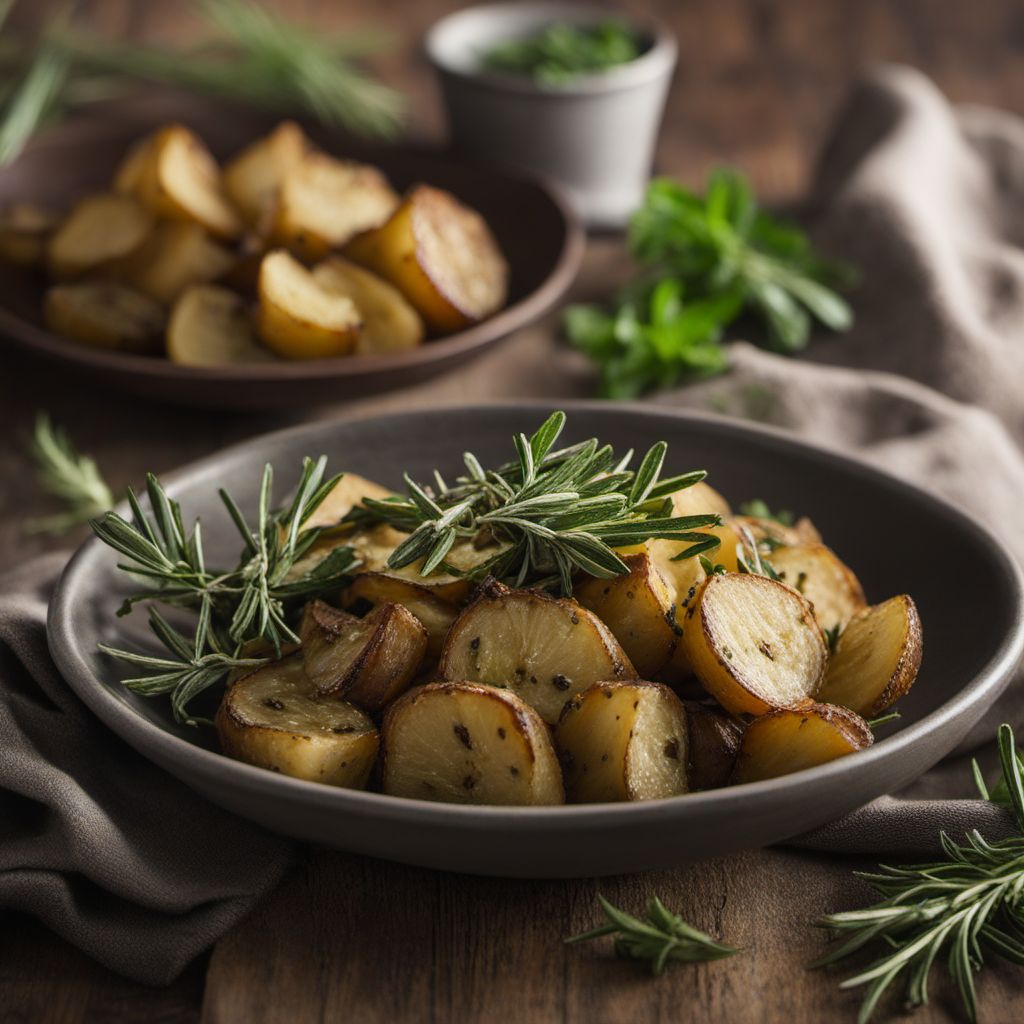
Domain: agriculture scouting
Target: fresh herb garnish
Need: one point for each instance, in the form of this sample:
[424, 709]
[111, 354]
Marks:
[757, 508]
[704, 262]
[561, 52]
[968, 906]
[554, 511]
[749, 556]
[661, 937]
[884, 719]
[832, 635]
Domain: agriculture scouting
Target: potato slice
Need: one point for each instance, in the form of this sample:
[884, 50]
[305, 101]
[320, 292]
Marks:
[346, 494]
[639, 608]
[322, 203]
[441, 255]
[714, 743]
[99, 231]
[834, 591]
[25, 232]
[698, 500]
[272, 718]
[251, 178]
[390, 324]
[435, 614]
[106, 315]
[298, 318]
[876, 659]
[543, 648]
[469, 744]
[173, 174]
[754, 644]
[211, 326]
[791, 739]
[367, 661]
[623, 741]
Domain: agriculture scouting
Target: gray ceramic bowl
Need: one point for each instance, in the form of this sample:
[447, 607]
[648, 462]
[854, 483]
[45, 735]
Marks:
[889, 531]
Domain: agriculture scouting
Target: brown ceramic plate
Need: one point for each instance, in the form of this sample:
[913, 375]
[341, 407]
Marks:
[540, 235]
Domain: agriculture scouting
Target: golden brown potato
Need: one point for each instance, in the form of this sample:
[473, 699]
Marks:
[99, 231]
[714, 744]
[106, 315]
[791, 739]
[623, 741]
[25, 232]
[441, 255]
[639, 608]
[390, 324]
[468, 744]
[754, 643]
[174, 175]
[367, 661]
[834, 591]
[698, 500]
[211, 326]
[323, 202]
[272, 718]
[876, 659]
[251, 178]
[297, 318]
[543, 648]
[466, 556]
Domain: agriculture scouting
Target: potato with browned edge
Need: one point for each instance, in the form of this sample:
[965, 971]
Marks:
[106, 315]
[714, 737]
[623, 741]
[828, 583]
[211, 326]
[252, 177]
[466, 743]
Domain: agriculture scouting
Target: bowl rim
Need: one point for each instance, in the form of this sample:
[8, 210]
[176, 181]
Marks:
[146, 735]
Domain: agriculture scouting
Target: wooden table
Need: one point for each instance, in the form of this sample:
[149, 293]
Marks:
[346, 938]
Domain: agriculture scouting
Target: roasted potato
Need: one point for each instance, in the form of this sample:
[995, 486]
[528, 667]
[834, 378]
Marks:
[714, 742]
[273, 718]
[470, 744]
[101, 230]
[834, 591]
[346, 494]
[464, 557]
[322, 202]
[543, 648]
[106, 315]
[639, 608]
[251, 179]
[390, 324]
[174, 175]
[25, 231]
[623, 741]
[698, 500]
[790, 739]
[299, 319]
[441, 255]
[211, 326]
[803, 531]
[754, 643]
[876, 659]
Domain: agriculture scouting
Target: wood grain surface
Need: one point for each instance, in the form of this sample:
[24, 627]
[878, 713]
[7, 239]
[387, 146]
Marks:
[349, 939]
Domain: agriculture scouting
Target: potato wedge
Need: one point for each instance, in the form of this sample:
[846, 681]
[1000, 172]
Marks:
[876, 659]
[829, 584]
[639, 608]
[544, 649]
[469, 744]
[754, 644]
[714, 743]
[174, 175]
[441, 255]
[297, 318]
[390, 324]
[623, 741]
[322, 203]
[273, 719]
[99, 231]
[790, 739]
[367, 661]
[211, 326]
[25, 232]
[106, 315]
[251, 179]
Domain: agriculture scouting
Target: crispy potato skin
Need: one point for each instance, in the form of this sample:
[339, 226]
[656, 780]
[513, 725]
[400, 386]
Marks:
[789, 740]
[105, 315]
[714, 745]
[877, 658]
[827, 582]
[462, 742]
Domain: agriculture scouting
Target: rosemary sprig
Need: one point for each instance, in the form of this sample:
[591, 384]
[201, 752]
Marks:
[554, 512]
[967, 907]
[662, 937]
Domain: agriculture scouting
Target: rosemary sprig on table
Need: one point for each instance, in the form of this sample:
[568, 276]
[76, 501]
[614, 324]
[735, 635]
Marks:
[967, 907]
[662, 937]
[555, 511]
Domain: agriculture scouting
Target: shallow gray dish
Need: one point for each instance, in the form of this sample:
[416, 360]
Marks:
[899, 539]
